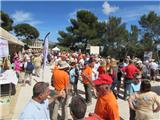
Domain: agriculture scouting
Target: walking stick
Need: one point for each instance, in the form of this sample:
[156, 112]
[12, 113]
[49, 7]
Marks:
[91, 83]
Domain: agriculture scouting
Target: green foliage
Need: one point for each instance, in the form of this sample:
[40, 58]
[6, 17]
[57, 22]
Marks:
[151, 25]
[6, 21]
[83, 31]
[26, 31]
[133, 43]
[150, 31]
[116, 37]
[113, 35]
[62, 48]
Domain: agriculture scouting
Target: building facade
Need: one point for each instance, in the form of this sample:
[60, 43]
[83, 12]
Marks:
[37, 45]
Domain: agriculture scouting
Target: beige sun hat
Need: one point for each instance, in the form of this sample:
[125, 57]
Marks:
[72, 60]
[114, 62]
[139, 62]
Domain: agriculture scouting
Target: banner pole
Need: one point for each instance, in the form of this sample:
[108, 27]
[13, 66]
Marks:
[45, 53]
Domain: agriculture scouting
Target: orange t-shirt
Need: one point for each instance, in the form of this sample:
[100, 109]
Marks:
[60, 79]
[107, 107]
[88, 72]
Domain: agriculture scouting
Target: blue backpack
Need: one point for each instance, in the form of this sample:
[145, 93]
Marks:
[30, 66]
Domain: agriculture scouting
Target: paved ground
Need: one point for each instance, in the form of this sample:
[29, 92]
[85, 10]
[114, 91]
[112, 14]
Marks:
[24, 94]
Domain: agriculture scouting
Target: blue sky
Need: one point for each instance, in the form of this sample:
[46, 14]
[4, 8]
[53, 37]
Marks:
[52, 16]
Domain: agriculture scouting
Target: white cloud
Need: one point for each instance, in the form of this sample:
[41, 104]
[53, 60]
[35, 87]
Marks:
[20, 16]
[107, 8]
[24, 17]
[136, 12]
[73, 14]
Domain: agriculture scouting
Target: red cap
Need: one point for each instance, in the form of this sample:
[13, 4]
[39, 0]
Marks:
[103, 79]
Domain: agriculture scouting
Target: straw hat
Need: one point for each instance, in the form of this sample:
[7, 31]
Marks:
[72, 60]
[63, 65]
[113, 62]
[139, 62]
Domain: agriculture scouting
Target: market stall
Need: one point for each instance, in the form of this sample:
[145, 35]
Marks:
[9, 44]
[8, 81]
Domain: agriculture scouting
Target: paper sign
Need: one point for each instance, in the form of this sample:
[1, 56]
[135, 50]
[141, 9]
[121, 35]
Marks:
[4, 50]
[94, 50]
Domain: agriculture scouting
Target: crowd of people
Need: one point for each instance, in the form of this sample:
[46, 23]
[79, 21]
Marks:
[102, 79]
[24, 64]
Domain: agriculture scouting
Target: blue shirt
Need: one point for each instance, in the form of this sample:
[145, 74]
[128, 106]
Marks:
[36, 111]
[135, 87]
[72, 75]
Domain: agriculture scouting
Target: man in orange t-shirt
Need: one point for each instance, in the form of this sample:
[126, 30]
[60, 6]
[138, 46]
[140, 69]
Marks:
[60, 83]
[60, 80]
[106, 106]
[87, 81]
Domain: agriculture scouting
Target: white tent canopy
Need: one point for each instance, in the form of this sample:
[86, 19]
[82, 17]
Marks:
[56, 49]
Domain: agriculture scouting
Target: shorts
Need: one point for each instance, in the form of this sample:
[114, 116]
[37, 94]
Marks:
[22, 75]
[29, 72]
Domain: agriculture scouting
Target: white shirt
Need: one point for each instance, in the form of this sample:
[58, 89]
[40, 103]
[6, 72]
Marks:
[81, 63]
[96, 66]
[153, 66]
[94, 74]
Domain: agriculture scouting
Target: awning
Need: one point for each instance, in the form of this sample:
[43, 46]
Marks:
[9, 37]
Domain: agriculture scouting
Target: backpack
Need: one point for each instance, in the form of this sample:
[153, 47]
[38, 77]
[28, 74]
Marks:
[30, 66]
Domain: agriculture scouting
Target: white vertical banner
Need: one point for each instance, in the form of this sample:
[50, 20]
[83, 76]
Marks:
[4, 49]
[45, 53]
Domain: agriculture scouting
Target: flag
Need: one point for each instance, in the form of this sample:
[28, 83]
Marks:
[45, 50]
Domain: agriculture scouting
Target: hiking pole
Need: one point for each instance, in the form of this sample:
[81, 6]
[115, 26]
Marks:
[91, 83]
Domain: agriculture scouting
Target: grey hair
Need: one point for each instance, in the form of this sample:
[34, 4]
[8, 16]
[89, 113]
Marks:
[39, 88]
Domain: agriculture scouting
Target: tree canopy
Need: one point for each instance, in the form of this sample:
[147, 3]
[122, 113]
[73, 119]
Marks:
[86, 29]
[150, 31]
[6, 21]
[116, 36]
[26, 31]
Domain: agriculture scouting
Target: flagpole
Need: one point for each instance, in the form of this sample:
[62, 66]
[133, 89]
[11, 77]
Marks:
[45, 53]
